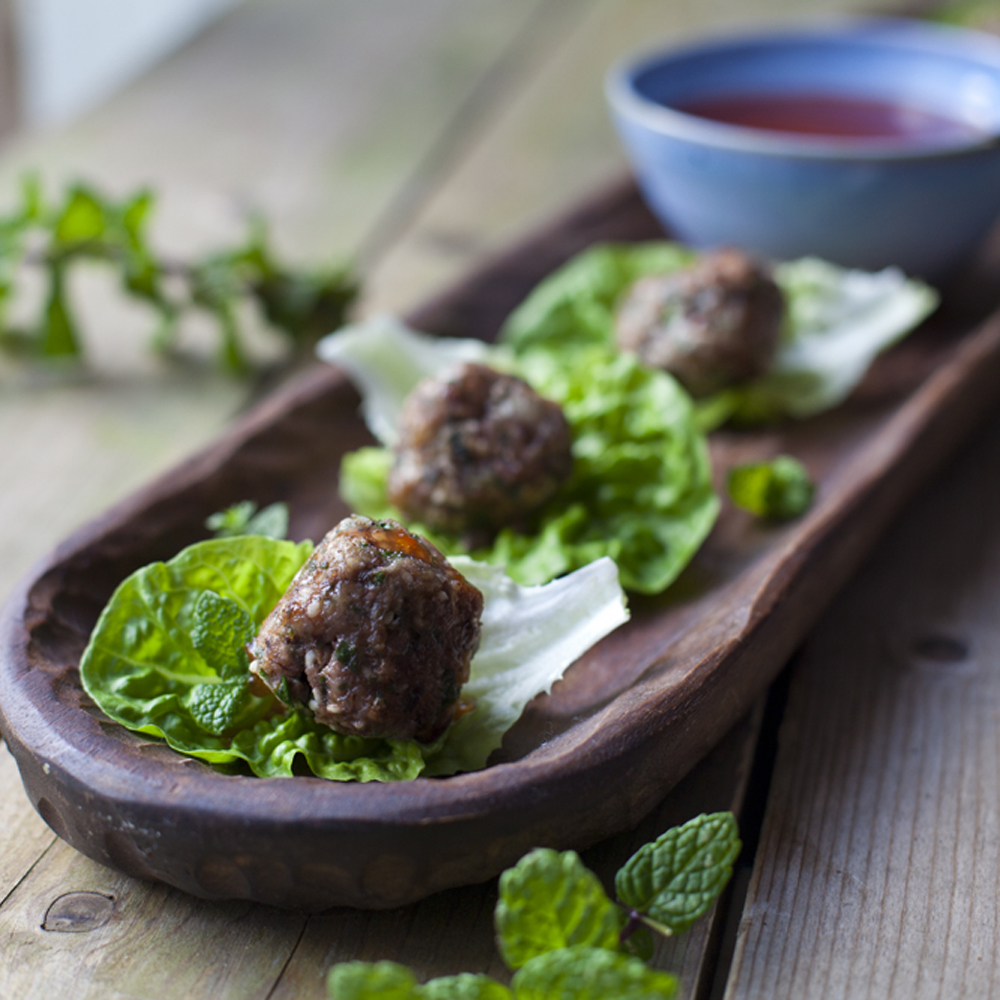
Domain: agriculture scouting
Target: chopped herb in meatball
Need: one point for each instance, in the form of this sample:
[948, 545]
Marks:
[375, 634]
[710, 325]
[478, 450]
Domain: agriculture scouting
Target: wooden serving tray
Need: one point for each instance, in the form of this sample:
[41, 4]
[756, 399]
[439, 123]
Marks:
[626, 723]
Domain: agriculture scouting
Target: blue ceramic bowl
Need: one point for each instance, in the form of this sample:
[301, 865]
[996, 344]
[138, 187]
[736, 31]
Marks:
[921, 202]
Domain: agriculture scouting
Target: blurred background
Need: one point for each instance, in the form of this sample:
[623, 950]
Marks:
[405, 139]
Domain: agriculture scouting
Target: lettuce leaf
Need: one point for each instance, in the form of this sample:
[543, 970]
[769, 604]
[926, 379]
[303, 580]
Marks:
[640, 491]
[167, 658]
[837, 321]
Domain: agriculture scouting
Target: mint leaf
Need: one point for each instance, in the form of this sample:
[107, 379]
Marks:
[549, 900]
[58, 331]
[82, 218]
[391, 981]
[270, 521]
[215, 707]
[243, 518]
[219, 631]
[675, 879]
[371, 981]
[779, 489]
[466, 986]
[591, 974]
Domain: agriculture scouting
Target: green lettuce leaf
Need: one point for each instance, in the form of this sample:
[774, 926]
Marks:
[167, 658]
[550, 900]
[146, 661]
[675, 879]
[581, 973]
[837, 321]
[640, 491]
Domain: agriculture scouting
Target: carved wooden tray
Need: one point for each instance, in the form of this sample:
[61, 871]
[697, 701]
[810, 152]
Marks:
[628, 721]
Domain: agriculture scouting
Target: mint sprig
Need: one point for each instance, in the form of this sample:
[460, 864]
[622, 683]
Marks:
[50, 237]
[565, 938]
[673, 881]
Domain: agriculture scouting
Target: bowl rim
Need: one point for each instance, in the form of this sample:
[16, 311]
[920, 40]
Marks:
[627, 103]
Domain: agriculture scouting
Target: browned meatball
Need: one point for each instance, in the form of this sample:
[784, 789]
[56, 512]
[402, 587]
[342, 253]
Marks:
[375, 634]
[712, 324]
[478, 450]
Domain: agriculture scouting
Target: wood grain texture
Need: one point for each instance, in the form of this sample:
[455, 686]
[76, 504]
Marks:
[878, 875]
[142, 942]
[625, 724]
[24, 837]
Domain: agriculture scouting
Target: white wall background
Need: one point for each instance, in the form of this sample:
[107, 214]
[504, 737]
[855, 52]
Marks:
[74, 53]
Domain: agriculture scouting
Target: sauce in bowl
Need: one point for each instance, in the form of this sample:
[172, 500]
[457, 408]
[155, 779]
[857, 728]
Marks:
[834, 116]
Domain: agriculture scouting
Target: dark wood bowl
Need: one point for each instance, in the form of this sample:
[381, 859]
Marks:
[627, 722]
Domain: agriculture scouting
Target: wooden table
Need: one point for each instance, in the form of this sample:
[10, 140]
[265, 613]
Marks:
[415, 137]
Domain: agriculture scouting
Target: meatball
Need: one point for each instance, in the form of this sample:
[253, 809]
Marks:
[711, 324]
[478, 450]
[375, 634]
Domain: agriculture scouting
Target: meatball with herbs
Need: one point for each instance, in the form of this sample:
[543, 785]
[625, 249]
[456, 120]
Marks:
[375, 634]
[478, 450]
[710, 325]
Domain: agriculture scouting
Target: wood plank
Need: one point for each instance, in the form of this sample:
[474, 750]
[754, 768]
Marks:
[77, 929]
[879, 866]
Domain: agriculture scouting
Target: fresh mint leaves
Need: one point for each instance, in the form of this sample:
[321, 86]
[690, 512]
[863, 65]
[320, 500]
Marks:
[464, 986]
[220, 630]
[778, 490]
[244, 518]
[674, 880]
[562, 936]
[372, 981]
[85, 225]
[216, 707]
[391, 981]
[550, 900]
[591, 974]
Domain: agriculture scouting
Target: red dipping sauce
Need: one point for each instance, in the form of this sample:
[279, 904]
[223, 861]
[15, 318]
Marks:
[834, 116]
